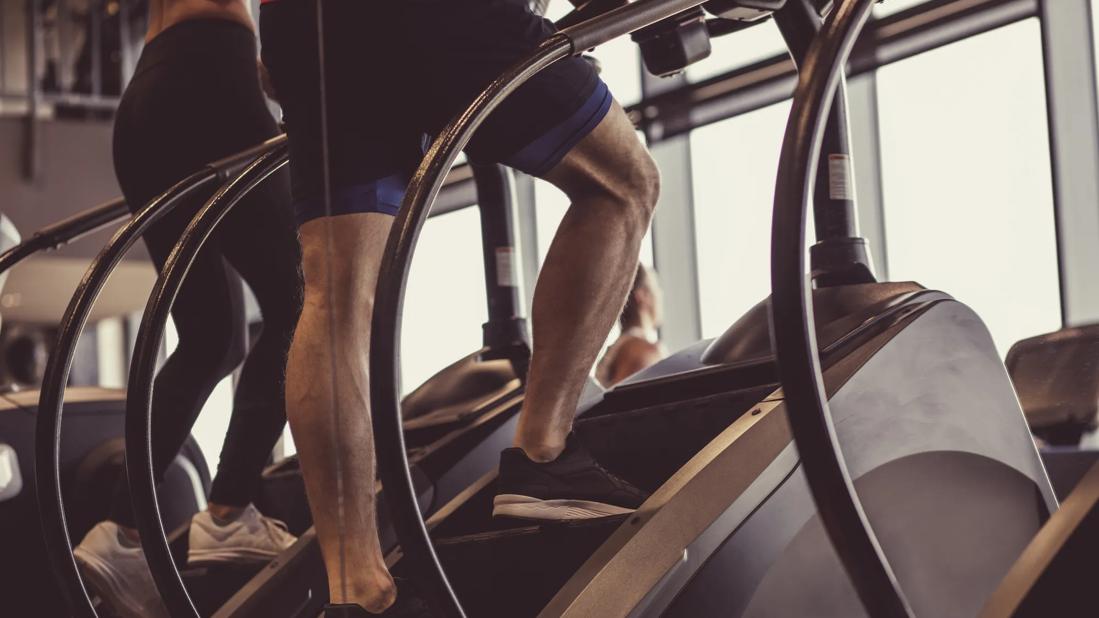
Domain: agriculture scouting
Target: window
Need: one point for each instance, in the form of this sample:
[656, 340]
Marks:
[444, 305]
[735, 162]
[620, 60]
[966, 175]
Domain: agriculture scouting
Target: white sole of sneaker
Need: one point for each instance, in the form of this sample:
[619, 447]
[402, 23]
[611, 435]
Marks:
[209, 557]
[106, 582]
[526, 507]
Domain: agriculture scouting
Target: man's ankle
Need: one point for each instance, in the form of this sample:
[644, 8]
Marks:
[376, 593]
[541, 449]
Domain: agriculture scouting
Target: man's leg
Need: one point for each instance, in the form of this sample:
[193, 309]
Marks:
[613, 185]
[328, 395]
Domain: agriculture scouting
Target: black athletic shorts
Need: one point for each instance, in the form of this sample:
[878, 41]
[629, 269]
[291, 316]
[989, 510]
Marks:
[396, 72]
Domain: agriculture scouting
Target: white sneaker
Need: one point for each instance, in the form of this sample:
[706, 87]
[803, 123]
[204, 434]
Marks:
[252, 537]
[118, 573]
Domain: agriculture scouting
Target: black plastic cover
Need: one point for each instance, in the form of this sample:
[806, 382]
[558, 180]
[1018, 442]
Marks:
[669, 46]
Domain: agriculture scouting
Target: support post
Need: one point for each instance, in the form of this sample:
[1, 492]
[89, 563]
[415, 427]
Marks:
[1073, 116]
[675, 240]
[505, 332]
[840, 255]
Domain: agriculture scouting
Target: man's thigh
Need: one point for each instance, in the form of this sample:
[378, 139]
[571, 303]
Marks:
[353, 142]
[460, 46]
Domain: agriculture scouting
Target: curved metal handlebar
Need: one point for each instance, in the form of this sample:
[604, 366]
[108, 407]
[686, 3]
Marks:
[139, 399]
[792, 326]
[48, 425]
[386, 325]
[114, 211]
[65, 231]
[389, 299]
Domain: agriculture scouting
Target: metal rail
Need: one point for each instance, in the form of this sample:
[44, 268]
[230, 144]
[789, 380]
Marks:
[48, 426]
[65, 231]
[139, 396]
[792, 326]
[385, 331]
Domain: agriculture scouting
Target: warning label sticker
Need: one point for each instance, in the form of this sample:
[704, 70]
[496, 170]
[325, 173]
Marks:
[841, 184]
[505, 272]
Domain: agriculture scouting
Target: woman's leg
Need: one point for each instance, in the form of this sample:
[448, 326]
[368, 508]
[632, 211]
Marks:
[260, 241]
[209, 318]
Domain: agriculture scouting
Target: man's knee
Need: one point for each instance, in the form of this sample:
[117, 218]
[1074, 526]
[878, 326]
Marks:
[340, 261]
[328, 277]
[641, 181]
[613, 166]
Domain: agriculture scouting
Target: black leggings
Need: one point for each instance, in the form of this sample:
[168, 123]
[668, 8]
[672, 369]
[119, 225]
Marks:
[195, 97]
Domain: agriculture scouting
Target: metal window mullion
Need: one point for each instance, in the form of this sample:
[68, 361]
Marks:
[675, 243]
[527, 222]
[862, 100]
[1073, 117]
[675, 255]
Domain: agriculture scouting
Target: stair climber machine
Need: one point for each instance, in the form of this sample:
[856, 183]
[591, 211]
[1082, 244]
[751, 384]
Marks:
[90, 455]
[727, 434]
[90, 414]
[458, 421]
[1057, 378]
[1053, 575]
[455, 424]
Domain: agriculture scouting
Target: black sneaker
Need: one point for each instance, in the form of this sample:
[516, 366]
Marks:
[408, 605]
[573, 486]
